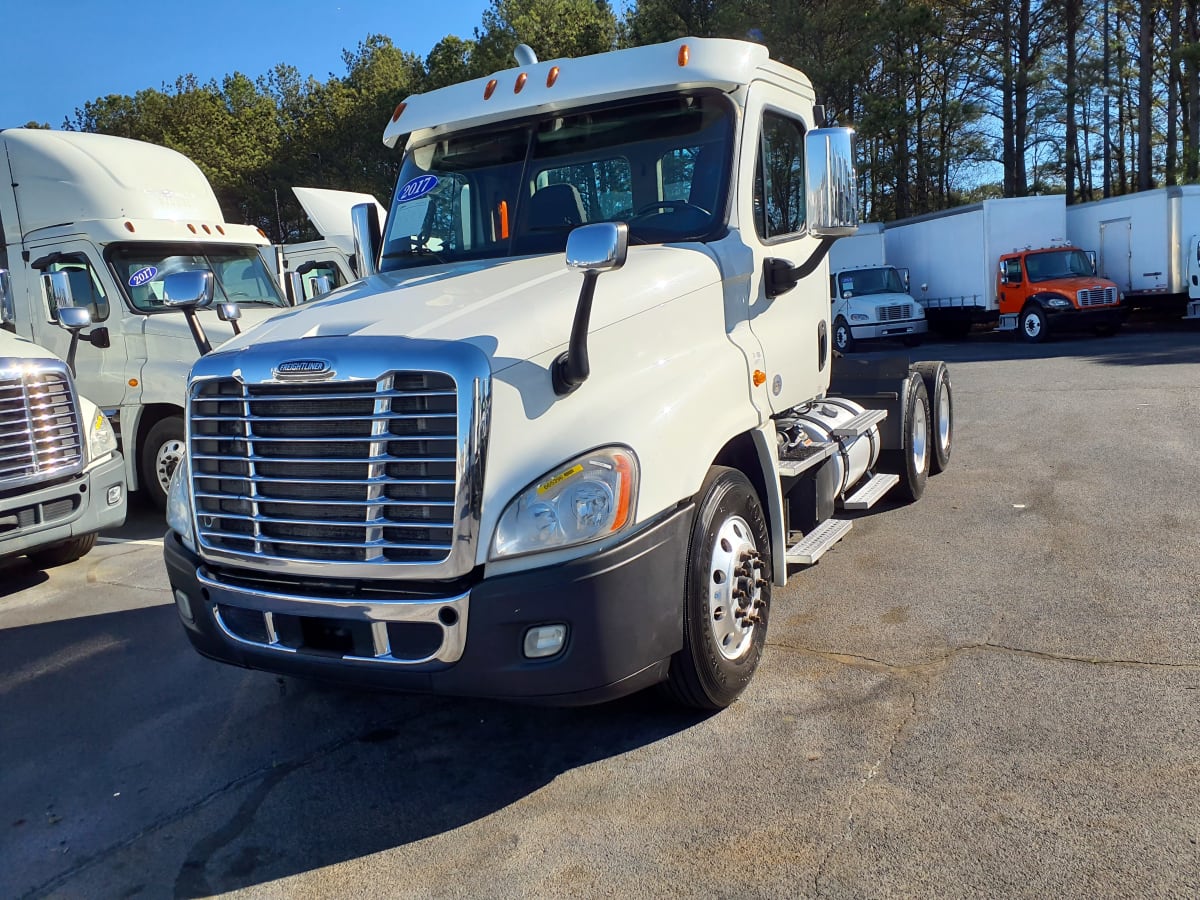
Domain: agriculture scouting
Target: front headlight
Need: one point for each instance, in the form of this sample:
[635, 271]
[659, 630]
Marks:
[179, 508]
[591, 497]
[101, 439]
[859, 317]
[1058, 302]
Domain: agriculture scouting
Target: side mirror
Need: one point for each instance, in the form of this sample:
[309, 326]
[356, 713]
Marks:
[295, 283]
[58, 291]
[830, 181]
[8, 307]
[74, 318]
[1091, 255]
[321, 284]
[368, 237]
[193, 288]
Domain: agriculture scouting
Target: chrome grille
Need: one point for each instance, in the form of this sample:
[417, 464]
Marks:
[895, 312]
[1097, 296]
[40, 434]
[361, 471]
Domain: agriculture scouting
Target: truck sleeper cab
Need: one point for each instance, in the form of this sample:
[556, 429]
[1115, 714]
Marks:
[1051, 289]
[488, 470]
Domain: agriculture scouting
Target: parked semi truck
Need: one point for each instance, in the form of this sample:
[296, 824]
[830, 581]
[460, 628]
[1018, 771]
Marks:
[491, 469]
[61, 476]
[870, 298]
[1005, 263]
[1149, 245]
[118, 216]
[312, 268]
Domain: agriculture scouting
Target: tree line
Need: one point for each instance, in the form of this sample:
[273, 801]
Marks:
[953, 100]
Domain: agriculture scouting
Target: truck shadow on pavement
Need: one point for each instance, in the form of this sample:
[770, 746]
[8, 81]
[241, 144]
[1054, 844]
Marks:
[161, 772]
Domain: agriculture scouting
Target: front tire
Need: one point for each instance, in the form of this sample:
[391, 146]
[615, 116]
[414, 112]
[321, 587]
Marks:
[161, 452]
[941, 408]
[843, 339]
[1033, 325]
[727, 594]
[62, 553]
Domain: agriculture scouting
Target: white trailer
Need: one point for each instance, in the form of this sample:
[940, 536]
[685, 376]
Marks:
[870, 298]
[1148, 244]
[119, 217]
[952, 256]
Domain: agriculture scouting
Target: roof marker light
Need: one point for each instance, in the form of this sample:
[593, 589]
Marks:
[520, 83]
[129, 226]
[398, 111]
[552, 77]
[489, 90]
[684, 54]
[220, 230]
[207, 230]
[191, 228]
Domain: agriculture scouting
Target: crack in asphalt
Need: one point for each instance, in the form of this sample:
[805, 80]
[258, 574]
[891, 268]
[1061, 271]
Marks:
[925, 666]
[872, 772]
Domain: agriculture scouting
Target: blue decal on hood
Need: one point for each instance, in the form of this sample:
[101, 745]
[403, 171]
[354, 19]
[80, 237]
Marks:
[417, 187]
[141, 276]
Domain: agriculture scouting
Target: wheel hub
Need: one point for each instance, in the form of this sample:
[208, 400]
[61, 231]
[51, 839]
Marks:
[735, 591]
[165, 461]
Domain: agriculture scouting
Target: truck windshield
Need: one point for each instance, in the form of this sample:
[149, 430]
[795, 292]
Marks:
[858, 282]
[518, 188]
[241, 274]
[1057, 264]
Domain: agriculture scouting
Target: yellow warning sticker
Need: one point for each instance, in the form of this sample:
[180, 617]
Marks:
[559, 479]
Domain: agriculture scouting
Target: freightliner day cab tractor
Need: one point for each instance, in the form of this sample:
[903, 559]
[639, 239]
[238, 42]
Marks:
[490, 470]
[119, 216]
[61, 477]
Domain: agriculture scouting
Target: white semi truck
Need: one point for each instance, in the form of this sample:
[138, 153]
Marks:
[61, 476]
[1005, 263]
[1148, 244]
[118, 216]
[870, 298]
[312, 268]
[492, 470]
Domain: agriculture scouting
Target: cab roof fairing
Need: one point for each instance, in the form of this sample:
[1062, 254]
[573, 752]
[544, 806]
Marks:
[712, 62]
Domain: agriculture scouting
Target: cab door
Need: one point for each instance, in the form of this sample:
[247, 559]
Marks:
[101, 372]
[793, 328]
[1193, 268]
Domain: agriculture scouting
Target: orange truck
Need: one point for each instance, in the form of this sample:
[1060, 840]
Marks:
[1004, 263]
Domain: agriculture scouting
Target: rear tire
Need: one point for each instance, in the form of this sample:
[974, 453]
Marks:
[911, 462]
[63, 553]
[161, 452]
[843, 339]
[941, 411]
[727, 594]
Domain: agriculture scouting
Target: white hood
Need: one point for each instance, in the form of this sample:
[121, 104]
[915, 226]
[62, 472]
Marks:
[513, 310]
[329, 210]
[13, 347]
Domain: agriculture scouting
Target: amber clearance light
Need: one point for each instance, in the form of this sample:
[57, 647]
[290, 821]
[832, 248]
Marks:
[684, 55]
[489, 89]
[552, 76]
[398, 111]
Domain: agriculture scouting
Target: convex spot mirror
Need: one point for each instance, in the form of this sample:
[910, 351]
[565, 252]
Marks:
[191, 288]
[601, 247]
[74, 318]
[228, 312]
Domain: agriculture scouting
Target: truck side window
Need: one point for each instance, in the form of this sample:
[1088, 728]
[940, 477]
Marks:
[313, 271]
[86, 290]
[779, 179]
[1012, 271]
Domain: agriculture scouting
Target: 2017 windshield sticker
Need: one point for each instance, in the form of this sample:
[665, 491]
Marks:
[417, 187]
[141, 276]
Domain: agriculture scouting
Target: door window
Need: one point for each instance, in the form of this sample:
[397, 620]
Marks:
[779, 180]
[86, 289]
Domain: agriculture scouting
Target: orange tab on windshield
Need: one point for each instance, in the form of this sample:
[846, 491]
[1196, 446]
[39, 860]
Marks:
[502, 210]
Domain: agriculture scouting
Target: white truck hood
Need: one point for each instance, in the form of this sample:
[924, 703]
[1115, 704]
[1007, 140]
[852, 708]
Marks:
[329, 210]
[513, 310]
[15, 347]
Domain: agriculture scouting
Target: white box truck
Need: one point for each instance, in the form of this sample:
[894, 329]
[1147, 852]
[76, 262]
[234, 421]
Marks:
[1005, 263]
[492, 470]
[1148, 244]
[61, 476]
[312, 268]
[870, 298]
[119, 216]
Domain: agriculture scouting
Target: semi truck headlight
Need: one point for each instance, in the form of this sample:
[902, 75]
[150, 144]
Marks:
[590, 497]
[859, 317]
[179, 509]
[1058, 302]
[101, 439]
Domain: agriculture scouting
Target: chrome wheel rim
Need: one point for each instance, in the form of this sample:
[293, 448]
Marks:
[920, 432]
[168, 457]
[1033, 325]
[943, 417]
[735, 598]
[841, 337]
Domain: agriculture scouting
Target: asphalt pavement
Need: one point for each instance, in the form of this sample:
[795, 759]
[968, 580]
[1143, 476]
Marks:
[992, 692]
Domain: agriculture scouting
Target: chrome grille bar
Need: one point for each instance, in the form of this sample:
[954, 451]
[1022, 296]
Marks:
[40, 429]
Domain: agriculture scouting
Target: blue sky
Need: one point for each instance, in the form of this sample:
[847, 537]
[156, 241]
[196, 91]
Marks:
[58, 54]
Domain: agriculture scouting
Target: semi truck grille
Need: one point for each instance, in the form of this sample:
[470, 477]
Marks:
[40, 434]
[350, 472]
[896, 312]
[1097, 296]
